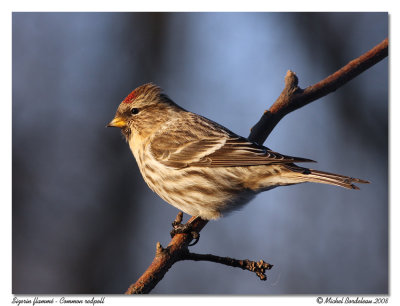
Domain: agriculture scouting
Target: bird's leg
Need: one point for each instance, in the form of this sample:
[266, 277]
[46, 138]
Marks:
[179, 228]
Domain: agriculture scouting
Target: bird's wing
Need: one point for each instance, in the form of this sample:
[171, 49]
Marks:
[211, 146]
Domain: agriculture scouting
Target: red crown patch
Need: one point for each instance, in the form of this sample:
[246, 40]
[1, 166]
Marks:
[130, 97]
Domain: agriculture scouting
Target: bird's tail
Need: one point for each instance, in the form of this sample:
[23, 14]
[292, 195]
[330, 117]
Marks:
[315, 176]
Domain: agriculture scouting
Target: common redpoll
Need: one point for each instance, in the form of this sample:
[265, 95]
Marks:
[199, 166]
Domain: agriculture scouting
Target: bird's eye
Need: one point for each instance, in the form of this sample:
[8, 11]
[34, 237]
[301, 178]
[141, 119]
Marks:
[134, 111]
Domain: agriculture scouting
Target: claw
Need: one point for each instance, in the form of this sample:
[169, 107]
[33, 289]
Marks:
[179, 228]
[196, 237]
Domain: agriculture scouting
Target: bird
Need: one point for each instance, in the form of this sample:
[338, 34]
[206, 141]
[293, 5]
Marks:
[199, 166]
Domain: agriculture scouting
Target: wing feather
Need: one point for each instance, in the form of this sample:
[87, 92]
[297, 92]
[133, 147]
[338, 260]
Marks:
[217, 147]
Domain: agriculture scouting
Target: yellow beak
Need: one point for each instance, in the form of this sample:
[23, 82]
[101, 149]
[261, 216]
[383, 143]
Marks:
[117, 122]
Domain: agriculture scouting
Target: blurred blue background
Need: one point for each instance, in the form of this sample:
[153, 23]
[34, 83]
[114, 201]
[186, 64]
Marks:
[85, 222]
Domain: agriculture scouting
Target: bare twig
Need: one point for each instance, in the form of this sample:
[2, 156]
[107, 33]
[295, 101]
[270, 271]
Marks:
[291, 98]
[165, 258]
[258, 267]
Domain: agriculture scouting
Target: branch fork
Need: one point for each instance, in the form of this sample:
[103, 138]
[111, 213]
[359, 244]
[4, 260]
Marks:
[165, 257]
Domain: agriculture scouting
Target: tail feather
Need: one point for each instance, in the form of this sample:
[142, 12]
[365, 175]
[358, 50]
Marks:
[335, 179]
[316, 176]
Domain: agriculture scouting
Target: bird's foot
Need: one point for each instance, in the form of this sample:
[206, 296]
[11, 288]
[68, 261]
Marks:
[179, 228]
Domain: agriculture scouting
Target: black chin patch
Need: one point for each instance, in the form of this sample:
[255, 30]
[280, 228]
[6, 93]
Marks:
[126, 131]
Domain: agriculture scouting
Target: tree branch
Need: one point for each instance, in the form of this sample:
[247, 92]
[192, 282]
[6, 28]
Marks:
[258, 267]
[291, 98]
[165, 258]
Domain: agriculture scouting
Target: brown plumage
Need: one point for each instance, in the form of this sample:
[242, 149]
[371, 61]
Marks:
[199, 166]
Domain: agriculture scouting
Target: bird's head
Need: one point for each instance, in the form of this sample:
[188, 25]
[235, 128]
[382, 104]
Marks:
[143, 111]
